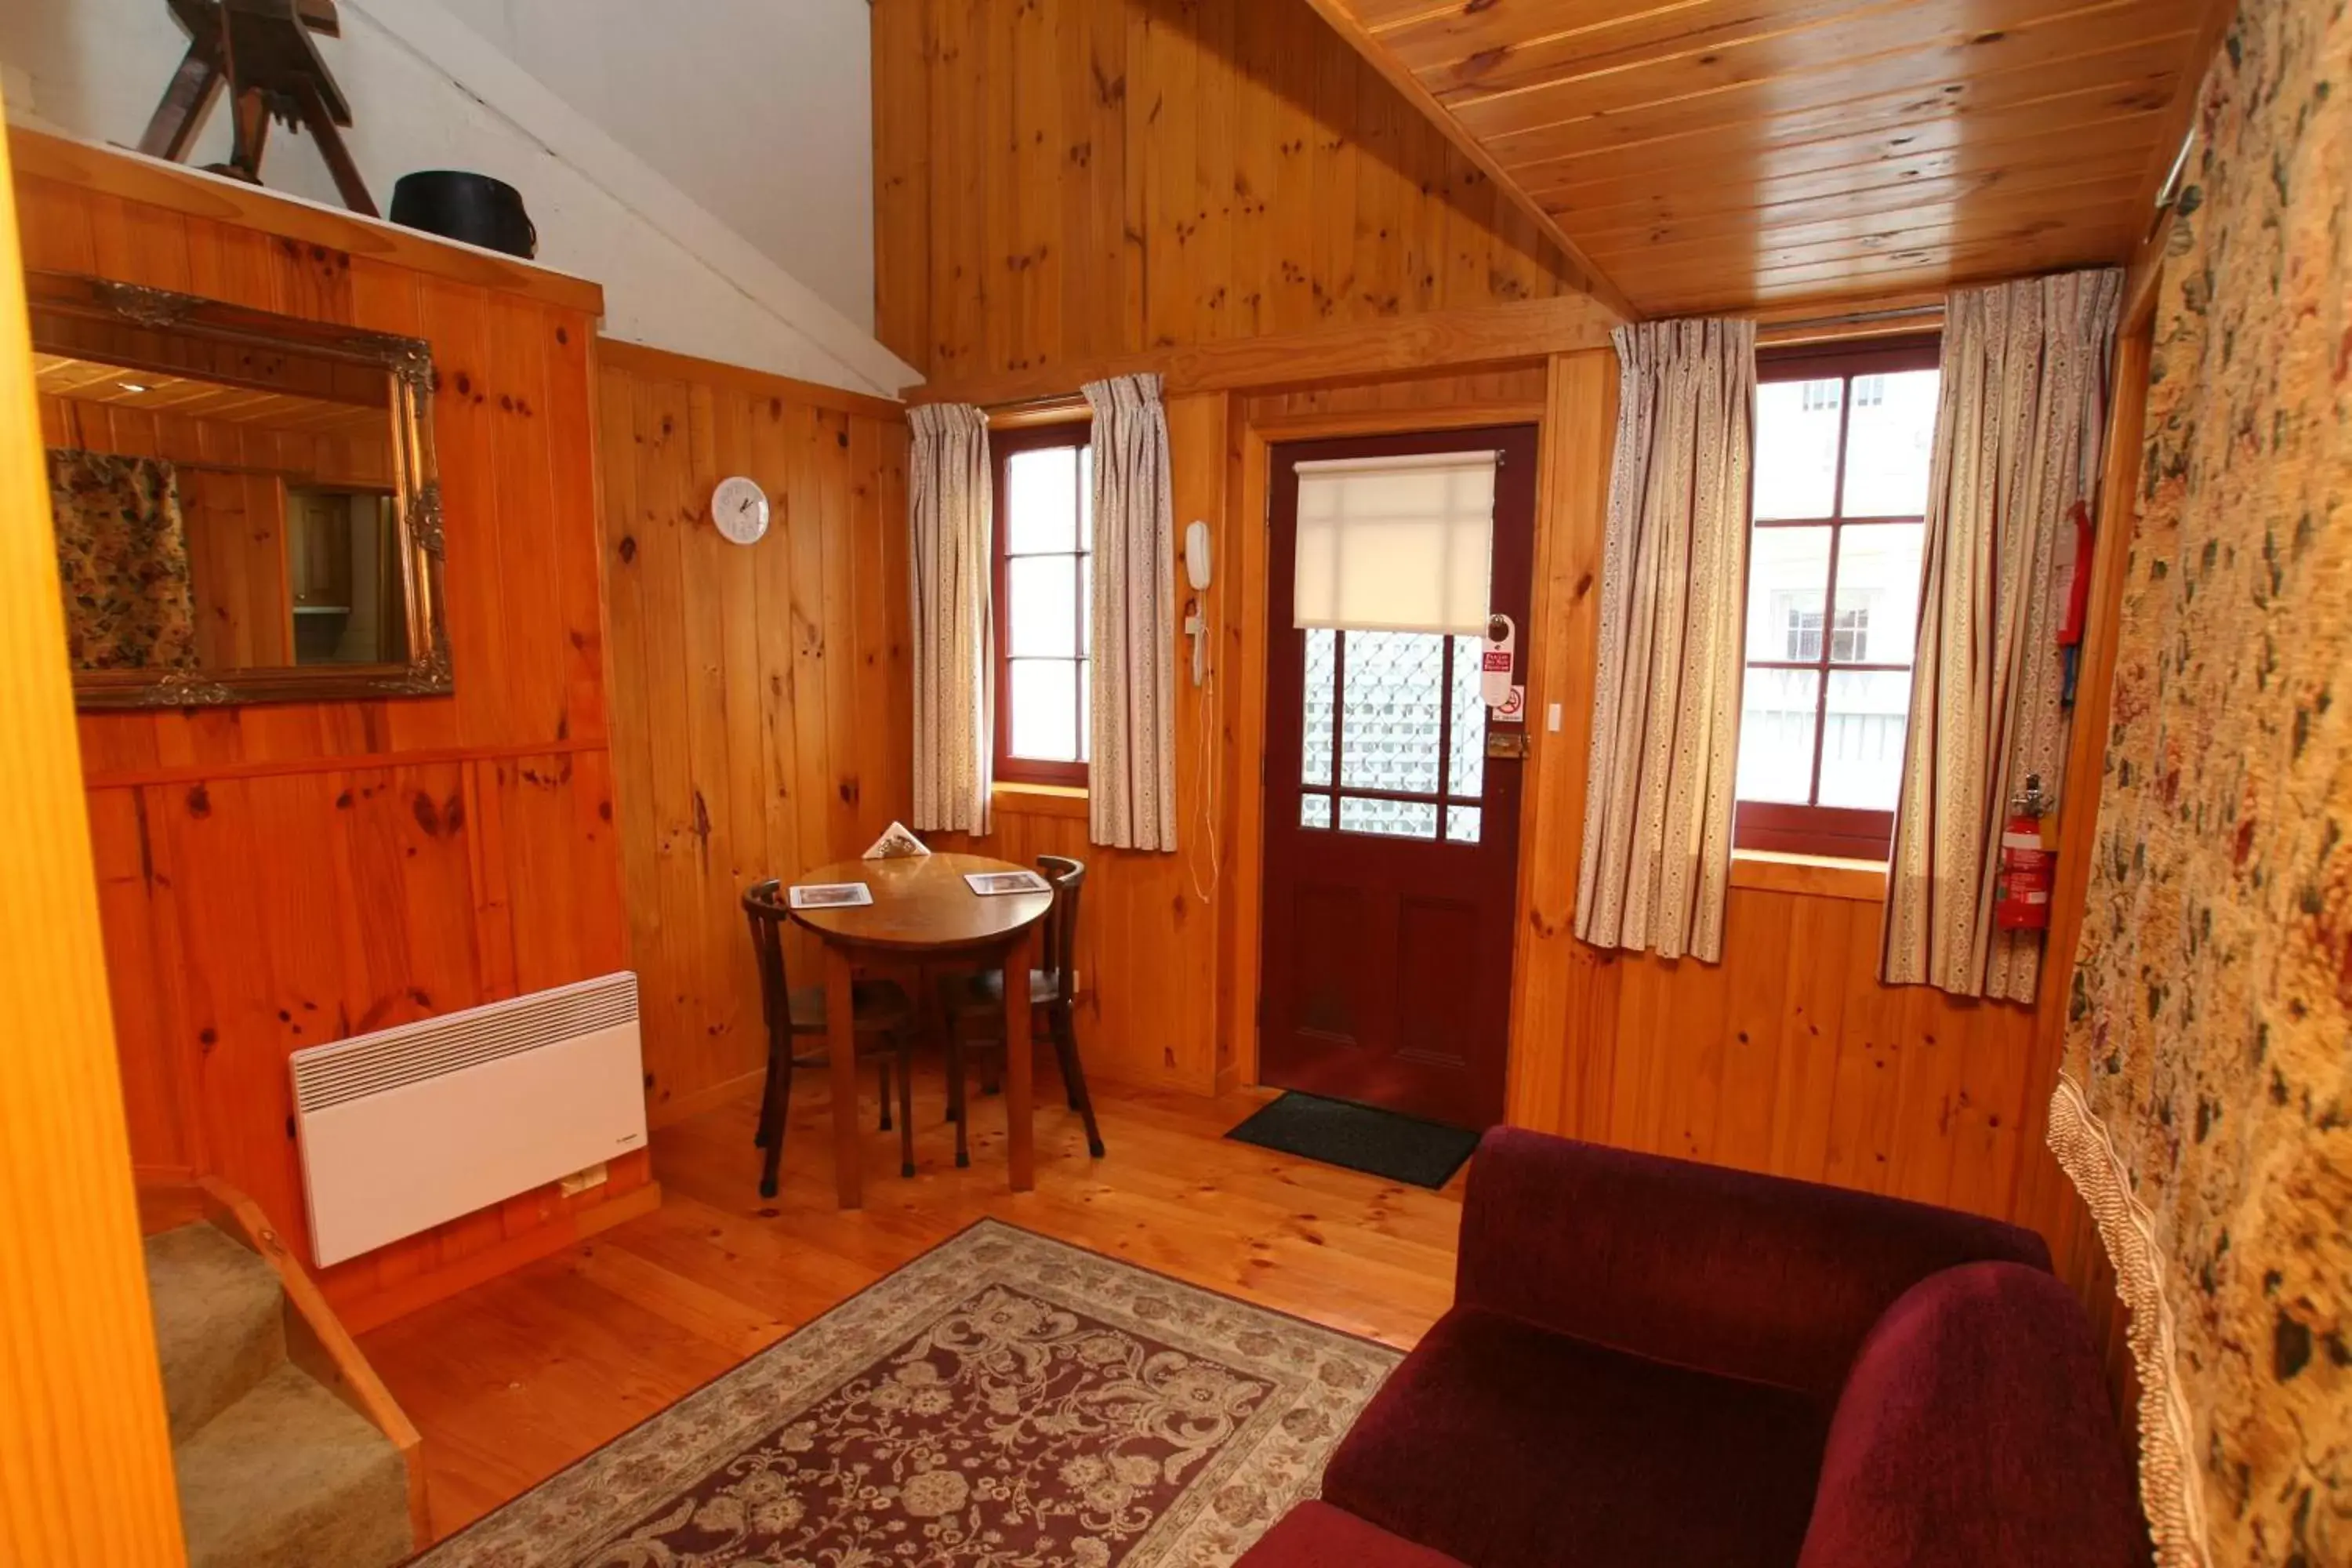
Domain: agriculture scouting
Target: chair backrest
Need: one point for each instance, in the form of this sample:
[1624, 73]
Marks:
[1068, 877]
[765, 909]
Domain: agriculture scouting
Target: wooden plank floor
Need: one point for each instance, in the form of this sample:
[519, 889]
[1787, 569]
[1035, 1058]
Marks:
[515, 1379]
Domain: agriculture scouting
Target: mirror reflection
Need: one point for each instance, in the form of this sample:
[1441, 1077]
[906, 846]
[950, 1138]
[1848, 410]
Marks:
[236, 501]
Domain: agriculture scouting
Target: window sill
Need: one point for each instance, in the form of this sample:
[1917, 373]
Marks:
[1820, 876]
[1038, 799]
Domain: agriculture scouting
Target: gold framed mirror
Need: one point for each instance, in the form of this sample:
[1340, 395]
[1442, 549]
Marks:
[247, 505]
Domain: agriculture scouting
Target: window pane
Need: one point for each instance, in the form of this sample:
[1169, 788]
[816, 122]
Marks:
[1391, 713]
[1086, 605]
[1888, 444]
[1465, 768]
[1041, 493]
[1322, 668]
[1776, 735]
[1041, 609]
[1086, 710]
[1045, 709]
[1878, 593]
[1462, 824]
[1862, 749]
[1393, 818]
[1086, 497]
[1788, 573]
[1796, 448]
[1313, 811]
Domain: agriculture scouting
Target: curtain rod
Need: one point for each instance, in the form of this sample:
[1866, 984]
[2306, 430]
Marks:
[1057, 409]
[1851, 324]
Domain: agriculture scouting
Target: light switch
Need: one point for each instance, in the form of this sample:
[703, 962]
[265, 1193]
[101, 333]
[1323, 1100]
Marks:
[1551, 717]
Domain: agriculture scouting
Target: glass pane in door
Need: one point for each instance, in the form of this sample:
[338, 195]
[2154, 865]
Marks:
[1465, 766]
[1322, 672]
[1394, 818]
[1392, 713]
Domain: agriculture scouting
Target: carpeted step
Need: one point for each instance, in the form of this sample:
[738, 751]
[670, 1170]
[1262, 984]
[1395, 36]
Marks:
[290, 1477]
[220, 1325]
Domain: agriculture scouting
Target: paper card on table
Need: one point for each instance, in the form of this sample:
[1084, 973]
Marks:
[990, 884]
[896, 843]
[830, 895]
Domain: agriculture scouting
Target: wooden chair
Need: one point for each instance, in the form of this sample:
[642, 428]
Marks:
[973, 1006]
[881, 1013]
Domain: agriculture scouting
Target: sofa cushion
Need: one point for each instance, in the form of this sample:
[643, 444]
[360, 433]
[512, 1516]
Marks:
[1317, 1535]
[1973, 1429]
[1508, 1447]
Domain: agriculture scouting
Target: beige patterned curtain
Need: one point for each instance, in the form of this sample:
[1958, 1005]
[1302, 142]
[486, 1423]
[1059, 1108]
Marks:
[1665, 714]
[122, 562]
[1132, 777]
[948, 526]
[2022, 415]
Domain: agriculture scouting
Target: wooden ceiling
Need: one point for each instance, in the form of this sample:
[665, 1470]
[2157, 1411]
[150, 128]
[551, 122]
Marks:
[1727, 155]
[88, 381]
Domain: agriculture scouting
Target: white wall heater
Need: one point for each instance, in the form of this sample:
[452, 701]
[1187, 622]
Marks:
[406, 1127]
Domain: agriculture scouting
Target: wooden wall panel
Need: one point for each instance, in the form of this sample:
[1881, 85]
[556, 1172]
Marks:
[761, 693]
[1151, 940]
[1788, 1057]
[85, 1450]
[1071, 179]
[282, 876]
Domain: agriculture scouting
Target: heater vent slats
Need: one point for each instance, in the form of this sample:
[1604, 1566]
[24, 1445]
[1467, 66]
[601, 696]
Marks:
[335, 1075]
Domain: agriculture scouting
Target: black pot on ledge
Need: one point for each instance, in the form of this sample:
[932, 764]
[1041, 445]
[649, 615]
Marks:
[471, 207]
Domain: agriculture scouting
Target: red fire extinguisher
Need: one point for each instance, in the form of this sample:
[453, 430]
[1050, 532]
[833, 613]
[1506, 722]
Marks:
[2028, 863]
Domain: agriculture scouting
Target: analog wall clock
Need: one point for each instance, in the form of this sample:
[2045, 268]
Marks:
[740, 506]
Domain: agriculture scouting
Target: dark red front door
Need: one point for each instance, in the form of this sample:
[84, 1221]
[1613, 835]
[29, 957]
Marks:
[1392, 843]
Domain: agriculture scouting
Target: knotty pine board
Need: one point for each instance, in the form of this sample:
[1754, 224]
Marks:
[1074, 179]
[761, 694]
[84, 1440]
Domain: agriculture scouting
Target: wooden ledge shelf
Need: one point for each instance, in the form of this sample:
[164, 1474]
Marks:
[1819, 875]
[132, 176]
[1038, 800]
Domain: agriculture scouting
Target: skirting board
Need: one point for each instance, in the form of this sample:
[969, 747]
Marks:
[669, 1112]
[381, 1307]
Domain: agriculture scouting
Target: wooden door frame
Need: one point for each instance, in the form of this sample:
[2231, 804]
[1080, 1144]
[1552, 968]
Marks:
[1248, 545]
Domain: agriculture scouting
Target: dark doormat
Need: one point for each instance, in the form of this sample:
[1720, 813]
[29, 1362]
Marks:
[1360, 1138]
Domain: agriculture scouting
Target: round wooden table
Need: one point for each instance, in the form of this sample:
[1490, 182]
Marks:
[923, 908]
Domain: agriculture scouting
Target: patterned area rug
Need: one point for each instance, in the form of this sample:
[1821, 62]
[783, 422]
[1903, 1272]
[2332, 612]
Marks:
[1003, 1401]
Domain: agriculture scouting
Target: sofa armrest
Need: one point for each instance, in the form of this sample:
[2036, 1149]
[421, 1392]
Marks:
[1746, 1275]
[1975, 1430]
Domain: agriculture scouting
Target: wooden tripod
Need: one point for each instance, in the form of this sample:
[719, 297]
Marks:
[262, 50]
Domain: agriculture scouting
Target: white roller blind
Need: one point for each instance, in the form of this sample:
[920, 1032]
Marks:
[1400, 544]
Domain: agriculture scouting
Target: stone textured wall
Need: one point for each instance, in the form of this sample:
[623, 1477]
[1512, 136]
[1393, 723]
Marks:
[2210, 1026]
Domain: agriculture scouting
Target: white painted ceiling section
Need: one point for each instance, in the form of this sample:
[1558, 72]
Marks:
[759, 110]
[429, 92]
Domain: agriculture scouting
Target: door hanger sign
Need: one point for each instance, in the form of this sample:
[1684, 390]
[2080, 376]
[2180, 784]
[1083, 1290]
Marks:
[1505, 699]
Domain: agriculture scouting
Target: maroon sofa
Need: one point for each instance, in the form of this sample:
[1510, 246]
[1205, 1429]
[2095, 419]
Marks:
[1651, 1363]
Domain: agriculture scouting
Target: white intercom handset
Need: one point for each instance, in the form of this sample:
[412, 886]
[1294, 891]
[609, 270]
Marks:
[1197, 570]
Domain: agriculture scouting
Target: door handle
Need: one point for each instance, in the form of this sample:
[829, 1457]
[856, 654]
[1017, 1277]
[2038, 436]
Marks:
[1508, 745]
